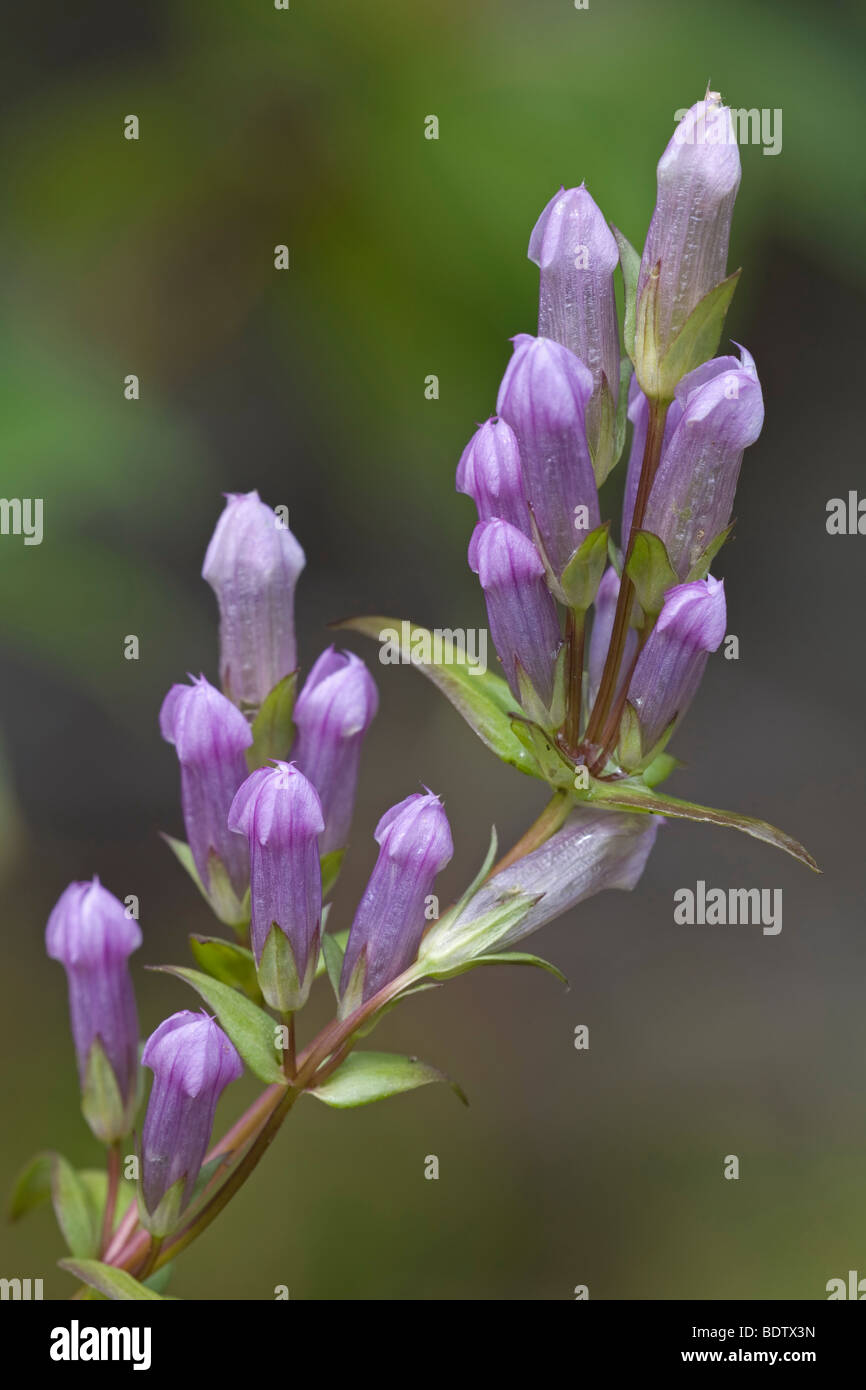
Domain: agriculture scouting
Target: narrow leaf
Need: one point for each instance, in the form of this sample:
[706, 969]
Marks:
[483, 699]
[333, 952]
[115, 1284]
[365, 1077]
[249, 1027]
[521, 958]
[73, 1208]
[32, 1186]
[273, 730]
[629, 261]
[227, 961]
[699, 336]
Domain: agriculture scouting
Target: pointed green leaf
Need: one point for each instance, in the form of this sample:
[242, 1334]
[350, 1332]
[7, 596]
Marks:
[32, 1186]
[365, 1077]
[698, 338]
[158, 1282]
[249, 1027]
[115, 1284]
[553, 766]
[650, 571]
[73, 1208]
[520, 958]
[582, 575]
[629, 795]
[483, 699]
[229, 962]
[629, 261]
[273, 729]
[102, 1105]
[701, 568]
[333, 952]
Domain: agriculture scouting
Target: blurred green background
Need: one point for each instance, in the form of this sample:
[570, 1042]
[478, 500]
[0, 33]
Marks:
[306, 127]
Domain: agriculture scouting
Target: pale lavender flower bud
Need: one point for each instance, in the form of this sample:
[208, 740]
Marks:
[332, 714]
[698, 178]
[576, 254]
[543, 397]
[520, 608]
[604, 611]
[669, 669]
[92, 935]
[414, 841]
[721, 411]
[192, 1061]
[278, 811]
[593, 851]
[210, 736]
[489, 472]
[252, 564]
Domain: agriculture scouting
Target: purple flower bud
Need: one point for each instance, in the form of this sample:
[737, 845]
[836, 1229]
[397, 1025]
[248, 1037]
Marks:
[92, 936]
[489, 472]
[252, 564]
[210, 736]
[669, 669]
[698, 178]
[279, 812]
[593, 851]
[604, 610]
[721, 411]
[576, 254]
[415, 844]
[333, 713]
[520, 609]
[543, 397]
[192, 1062]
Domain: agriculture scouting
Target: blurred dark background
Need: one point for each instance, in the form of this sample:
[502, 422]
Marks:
[155, 257]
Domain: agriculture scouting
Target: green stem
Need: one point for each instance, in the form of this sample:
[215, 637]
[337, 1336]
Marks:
[112, 1186]
[552, 817]
[575, 629]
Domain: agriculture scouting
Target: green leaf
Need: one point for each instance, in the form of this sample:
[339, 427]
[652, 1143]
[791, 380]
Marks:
[331, 864]
[650, 571]
[32, 1188]
[659, 769]
[249, 1027]
[519, 958]
[273, 729]
[95, 1183]
[554, 768]
[629, 261]
[698, 338]
[73, 1208]
[102, 1105]
[341, 937]
[115, 1284]
[158, 1282]
[227, 961]
[365, 1077]
[582, 575]
[484, 700]
[333, 952]
[701, 568]
[629, 795]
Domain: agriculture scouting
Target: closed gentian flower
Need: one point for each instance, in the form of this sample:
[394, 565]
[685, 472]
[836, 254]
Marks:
[543, 397]
[593, 851]
[489, 472]
[252, 564]
[210, 736]
[278, 812]
[604, 611]
[669, 669]
[520, 608]
[687, 241]
[92, 935]
[332, 714]
[576, 254]
[192, 1061]
[720, 412]
[414, 841]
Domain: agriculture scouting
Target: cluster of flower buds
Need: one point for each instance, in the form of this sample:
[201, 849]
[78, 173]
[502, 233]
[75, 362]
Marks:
[535, 468]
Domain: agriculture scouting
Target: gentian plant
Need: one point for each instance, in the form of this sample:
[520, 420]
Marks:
[602, 641]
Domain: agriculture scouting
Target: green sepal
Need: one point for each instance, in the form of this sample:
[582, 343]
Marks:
[629, 261]
[249, 1027]
[450, 946]
[650, 571]
[221, 897]
[74, 1208]
[484, 700]
[333, 952]
[331, 864]
[167, 1215]
[613, 423]
[532, 704]
[103, 1107]
[633, 795]
[658, 769]
[353, 997]
[114, 1283]
[701, 568]
[32, 1186]
[555, 769]
[645, 357]
[366, 1077]
[515, 958]
[227, 961]
[698, 338]
[582, 575]
[273, 729]
[629, 746]
[341, 937]
[278, 975]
